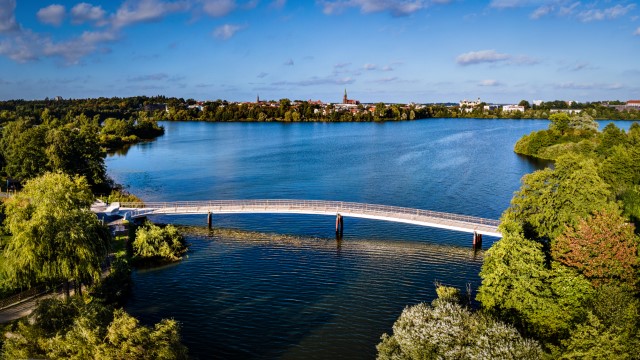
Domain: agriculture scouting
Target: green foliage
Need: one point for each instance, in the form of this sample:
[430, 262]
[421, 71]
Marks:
[75, 330]
[518, 284]
[153, 241]
[593, 340]
[55, 236]
[119, 195]
[602, 247]
[559, 122]
[550, 199]
[446, 330]
[31, 149]
[115, 288]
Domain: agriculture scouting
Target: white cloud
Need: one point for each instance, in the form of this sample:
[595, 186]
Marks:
[7, 16]
[226, 31]
[489, 82]
[288, 62]
[637, 32]
[479, 57]
[51, 15]
[135, 11]
[370, 66]
[506, 4]
[395, 7]
[541, 11]
[218, 8]
[605, 14]
[84, 12]
[589, 86]
[492, 56]
[29, 46]
[75, 49]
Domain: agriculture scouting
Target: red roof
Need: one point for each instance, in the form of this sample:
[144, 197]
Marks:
[633, 102]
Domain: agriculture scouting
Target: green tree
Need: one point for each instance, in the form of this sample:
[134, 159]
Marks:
[22, 146]
[76, 152]
[54, 235]
[559, 122]
[447, 330]
[153, 241]
[602, 247]
[91, 331]
[550, 199]
[525, 103]
[519, 285]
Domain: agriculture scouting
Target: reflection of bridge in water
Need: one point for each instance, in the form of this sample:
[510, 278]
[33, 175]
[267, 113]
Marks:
[471, 224]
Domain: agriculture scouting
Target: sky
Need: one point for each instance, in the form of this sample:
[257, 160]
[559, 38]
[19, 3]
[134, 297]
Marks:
[422, 51]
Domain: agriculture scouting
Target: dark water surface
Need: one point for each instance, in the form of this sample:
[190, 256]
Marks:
[279, 286]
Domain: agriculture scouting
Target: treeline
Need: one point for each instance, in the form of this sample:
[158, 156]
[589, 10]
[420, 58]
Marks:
[179, 109]
[72, 144]
[566, 271]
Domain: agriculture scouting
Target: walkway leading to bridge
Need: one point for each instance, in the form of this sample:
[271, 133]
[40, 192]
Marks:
[470, 224]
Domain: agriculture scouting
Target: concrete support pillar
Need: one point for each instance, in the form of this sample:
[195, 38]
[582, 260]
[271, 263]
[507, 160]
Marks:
[339, 226]
[477, 240]
[209, 220]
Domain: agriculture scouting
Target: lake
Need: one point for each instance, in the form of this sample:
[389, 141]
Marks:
[281, 286]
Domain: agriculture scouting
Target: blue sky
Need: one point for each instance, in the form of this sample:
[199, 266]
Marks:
[379, 50]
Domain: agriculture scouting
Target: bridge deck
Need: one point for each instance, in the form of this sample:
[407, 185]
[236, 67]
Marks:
[369, 211]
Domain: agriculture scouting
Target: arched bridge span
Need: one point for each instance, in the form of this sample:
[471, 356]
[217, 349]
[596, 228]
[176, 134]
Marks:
[443, 220]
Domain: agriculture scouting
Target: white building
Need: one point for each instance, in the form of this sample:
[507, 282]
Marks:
[512, 108]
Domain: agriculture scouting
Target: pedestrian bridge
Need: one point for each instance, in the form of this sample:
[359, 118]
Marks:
[470, 224]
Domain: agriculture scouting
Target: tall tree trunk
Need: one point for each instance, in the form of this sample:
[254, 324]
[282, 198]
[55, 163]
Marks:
[66, 289]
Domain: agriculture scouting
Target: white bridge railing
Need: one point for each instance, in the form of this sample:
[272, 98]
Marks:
[305, 206]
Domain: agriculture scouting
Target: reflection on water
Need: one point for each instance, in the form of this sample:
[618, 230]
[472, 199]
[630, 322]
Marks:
[273, 296]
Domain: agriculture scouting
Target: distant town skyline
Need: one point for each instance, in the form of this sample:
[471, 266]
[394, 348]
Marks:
[422, 51]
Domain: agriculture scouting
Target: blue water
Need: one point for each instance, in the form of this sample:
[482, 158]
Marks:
[280, 286]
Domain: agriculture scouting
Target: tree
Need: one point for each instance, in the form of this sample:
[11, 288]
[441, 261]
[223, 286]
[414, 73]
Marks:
[602, 247]
[91, 331]
[76, 151]
[447, 330]
[153, 241]
[519, 285]
[525, 103]
[22, 146]
[54, 235]
[559, 122]
[550, 199]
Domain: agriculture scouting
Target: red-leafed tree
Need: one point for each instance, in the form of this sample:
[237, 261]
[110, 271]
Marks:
[603, 247]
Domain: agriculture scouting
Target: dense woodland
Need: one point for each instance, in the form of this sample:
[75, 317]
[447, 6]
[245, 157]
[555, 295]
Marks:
[565, 274]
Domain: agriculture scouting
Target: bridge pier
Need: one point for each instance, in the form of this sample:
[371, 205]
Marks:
[339, 226]
[477, 241]
[209, 220]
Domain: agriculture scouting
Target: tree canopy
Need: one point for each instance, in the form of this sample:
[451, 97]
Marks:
[54, 235]
[602, 247]
[447, 330]
[549, 199]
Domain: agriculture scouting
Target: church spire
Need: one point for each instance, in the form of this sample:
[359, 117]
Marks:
[345, 98]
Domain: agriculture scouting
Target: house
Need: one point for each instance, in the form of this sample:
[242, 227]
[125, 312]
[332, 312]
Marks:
[633, 104]
[512, 108]
[468, 106]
